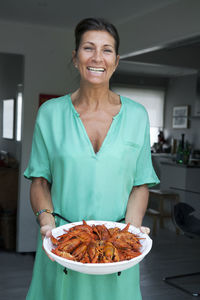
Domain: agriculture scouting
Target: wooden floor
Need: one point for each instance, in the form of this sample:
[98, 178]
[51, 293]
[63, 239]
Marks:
[170, 255]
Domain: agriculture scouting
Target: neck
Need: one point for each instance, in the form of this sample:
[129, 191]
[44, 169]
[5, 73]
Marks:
[93, 96]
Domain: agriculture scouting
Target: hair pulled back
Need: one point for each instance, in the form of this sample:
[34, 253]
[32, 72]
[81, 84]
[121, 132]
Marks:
[98, 24]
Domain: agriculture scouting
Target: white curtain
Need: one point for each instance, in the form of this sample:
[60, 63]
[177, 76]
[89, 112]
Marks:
[152, 100]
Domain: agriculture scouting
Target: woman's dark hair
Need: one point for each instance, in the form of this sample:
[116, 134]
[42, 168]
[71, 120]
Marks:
[95, 24]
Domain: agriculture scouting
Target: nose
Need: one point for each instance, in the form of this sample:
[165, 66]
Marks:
[97, 56]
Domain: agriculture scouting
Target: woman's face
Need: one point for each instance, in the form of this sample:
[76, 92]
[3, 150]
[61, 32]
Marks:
[96, 58]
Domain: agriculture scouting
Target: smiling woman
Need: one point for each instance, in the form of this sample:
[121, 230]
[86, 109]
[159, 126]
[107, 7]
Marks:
[90, 160]
[96, 58]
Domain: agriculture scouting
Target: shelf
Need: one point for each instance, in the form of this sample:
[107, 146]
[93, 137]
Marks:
[194, 117]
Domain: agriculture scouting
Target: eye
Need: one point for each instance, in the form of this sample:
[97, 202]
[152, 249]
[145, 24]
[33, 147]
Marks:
[88, 48]
[108, 50]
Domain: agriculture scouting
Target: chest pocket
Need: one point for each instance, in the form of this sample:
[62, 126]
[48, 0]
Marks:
[131, 144]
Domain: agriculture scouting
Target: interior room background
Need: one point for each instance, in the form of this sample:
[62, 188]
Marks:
[40, 58]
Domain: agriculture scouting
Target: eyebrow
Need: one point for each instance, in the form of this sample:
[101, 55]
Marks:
[106, 45]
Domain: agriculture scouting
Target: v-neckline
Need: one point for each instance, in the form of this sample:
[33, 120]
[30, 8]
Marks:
[114, 118]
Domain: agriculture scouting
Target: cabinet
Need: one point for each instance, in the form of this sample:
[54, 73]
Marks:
[185, 180]
[8, 188]
[8, 207]
[157, 159]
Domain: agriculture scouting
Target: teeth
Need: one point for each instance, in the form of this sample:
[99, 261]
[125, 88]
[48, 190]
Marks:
[96, 69]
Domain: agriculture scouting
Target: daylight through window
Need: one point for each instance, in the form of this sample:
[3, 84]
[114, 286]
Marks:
[153, 101]
[8, 119]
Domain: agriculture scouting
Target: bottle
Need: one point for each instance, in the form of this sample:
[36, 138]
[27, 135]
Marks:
[186, 155]
[173, 146]
[180, 150]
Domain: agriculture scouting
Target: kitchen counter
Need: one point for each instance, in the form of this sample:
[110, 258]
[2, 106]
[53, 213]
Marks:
[173, 163]
[179, 178]
[183, 179]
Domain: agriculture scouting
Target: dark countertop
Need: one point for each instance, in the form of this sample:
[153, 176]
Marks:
[174, 164]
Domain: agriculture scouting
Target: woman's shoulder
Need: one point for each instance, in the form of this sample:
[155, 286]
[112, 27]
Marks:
[53, 105]
[54, 102]
[52, 109]
[133, 106]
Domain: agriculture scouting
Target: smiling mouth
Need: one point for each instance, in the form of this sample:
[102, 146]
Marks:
[96, 70]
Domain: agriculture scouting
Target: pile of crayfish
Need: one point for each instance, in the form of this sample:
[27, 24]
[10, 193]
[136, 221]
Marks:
[96, 244]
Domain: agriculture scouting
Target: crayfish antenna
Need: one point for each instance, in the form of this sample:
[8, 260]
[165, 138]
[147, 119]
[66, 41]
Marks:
[127, 227]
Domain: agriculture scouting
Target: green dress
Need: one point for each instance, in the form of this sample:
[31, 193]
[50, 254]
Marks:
[90, 186]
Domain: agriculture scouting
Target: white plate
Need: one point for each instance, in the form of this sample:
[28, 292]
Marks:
[99, 268]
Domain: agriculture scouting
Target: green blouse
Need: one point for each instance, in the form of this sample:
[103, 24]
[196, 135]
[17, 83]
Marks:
[88, 185]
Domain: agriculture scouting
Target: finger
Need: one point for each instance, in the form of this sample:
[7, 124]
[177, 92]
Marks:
[145, 230]
[46, 230]
[48, 233]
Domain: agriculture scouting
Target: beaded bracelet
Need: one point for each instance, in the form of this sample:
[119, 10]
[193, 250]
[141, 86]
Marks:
[42, 211]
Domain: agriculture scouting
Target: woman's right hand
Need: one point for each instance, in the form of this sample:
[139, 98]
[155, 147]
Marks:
[47, 223]
[46, 231]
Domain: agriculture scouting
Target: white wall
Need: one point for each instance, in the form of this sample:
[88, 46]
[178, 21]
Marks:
[182, 91]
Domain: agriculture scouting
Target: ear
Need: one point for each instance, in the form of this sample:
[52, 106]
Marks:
[74, 58]
[117, 61]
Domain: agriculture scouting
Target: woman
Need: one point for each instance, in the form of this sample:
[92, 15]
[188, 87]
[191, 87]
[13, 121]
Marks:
[90, 159]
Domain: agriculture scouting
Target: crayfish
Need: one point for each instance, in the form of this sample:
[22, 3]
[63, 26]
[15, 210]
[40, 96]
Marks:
[97, 244]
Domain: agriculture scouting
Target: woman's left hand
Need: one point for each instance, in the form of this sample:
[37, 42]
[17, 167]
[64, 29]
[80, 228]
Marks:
[144, 229]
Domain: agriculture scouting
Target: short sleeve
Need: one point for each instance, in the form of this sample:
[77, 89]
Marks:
[39, 165]
[145, 173]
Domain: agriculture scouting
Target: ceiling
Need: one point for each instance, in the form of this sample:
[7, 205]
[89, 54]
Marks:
[176, 60]
[66, 13]
[130, 67]
[186, 54]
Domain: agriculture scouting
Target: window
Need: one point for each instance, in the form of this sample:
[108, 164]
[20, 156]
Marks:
[19, 117]
[8, 119]
[12, 116]
[152, 100]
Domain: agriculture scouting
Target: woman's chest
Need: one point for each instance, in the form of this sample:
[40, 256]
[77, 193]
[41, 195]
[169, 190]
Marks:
[101, 142]
[93, 135]
[97, 127]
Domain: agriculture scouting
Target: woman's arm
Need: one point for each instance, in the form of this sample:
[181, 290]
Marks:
[137, 205]
[41, 199]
